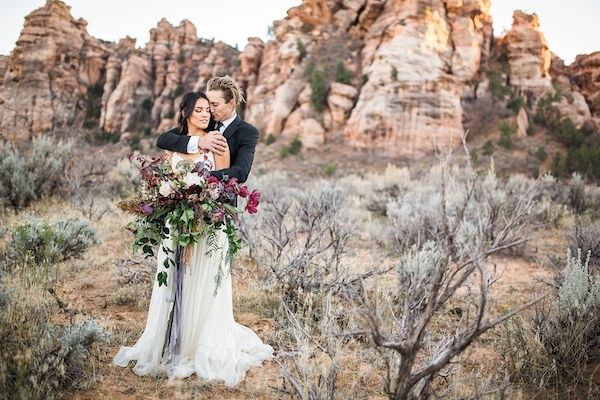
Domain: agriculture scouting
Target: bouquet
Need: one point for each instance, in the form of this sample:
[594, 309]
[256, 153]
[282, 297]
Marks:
[186, 203]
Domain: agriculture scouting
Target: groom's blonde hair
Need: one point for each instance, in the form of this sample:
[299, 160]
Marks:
[229, 87]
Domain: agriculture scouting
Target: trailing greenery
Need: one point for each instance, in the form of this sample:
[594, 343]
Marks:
[507, 131]
[498, 87]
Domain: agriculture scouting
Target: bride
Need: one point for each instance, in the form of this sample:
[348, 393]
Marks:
[190, 328]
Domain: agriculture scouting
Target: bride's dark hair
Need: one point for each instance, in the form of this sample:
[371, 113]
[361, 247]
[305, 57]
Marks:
[186, 108]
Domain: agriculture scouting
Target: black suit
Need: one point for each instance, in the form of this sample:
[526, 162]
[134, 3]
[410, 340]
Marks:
[241, 138]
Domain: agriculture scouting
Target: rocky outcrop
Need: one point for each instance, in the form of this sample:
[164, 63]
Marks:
[59, 76]
[586, 76]
[528, 54]
[387, 74]
[47, 76]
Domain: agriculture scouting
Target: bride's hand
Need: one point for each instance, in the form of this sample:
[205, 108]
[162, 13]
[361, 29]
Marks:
[214, 142]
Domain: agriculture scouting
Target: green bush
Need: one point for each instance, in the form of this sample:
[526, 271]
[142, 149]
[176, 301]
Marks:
[38, 173]
[41, 360]
[516, 103]
[178, 91]
[270, 139]
[488, 148]
[329, 169]
[301, 48]
[293, 147]
[473, 156]
[37, 242]
[498, 87]
[506, 133]
[394, 74]
[93, 105]
[181, 57]
[342, 75]
[319, 87]
[100, 137]
[541, 154]
[556, 348]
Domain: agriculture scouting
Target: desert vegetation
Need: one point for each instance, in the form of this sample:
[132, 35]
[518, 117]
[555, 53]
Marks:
[442, 280]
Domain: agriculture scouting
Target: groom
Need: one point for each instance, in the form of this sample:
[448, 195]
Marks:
[224, 95]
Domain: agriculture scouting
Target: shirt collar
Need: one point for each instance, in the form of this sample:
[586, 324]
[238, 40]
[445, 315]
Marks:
[228, 122]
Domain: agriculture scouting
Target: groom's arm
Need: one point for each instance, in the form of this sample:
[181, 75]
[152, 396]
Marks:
[240, 167]
[173, 141]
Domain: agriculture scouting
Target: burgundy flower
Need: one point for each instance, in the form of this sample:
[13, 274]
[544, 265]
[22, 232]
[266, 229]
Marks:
[251, 208]
[232, 182]
[244, 192]
[153, 180]
[212, 180]
[254, 197]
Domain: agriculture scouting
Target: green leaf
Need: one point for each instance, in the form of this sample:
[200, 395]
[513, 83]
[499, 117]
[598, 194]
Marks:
[162, 278]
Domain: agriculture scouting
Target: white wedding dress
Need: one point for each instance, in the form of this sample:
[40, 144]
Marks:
[210, 342]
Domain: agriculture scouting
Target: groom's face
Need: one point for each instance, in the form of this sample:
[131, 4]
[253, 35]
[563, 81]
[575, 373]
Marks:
[220, 109]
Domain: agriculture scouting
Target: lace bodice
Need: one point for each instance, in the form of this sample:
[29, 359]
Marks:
[207, 157]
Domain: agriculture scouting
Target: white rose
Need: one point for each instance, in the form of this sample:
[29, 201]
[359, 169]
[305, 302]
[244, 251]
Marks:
[193, 179]
[165, 188]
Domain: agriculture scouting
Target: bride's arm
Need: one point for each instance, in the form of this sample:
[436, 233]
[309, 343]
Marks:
[224, 160]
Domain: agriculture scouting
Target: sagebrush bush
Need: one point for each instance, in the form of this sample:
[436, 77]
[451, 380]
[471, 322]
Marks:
[585, 236]
[38, 359]
[25, 177]
[41, 243]
[557, 346]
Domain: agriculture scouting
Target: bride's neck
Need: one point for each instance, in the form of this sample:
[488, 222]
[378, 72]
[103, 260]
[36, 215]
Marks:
[193, 131]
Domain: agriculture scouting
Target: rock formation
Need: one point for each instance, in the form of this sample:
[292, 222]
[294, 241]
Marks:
[385, 74]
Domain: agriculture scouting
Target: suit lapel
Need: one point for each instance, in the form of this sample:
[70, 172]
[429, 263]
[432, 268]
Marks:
[230, 130]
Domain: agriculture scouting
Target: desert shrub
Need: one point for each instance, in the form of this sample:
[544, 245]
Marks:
[414, 217]
[93, 105]
[123, 179]
[516, 103]
[319, 87]
[329, 169]
[134, 278]
[40, 360]
[488, 148]
[473, 156]
[25, 177]
[585, 236]
[394, 74]
[541, 153]
[181, 57]
[179, 89]
[301, 49]
[37, 244]
[555, 348]
[101, 137]
[455, 219]
[377, 189]
[498, 87]
[293, 147]
[342, 75]
[303, 240]
[270, 139]
[507, 130]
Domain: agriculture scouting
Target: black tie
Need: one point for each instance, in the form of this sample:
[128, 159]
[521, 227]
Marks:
[219, 125]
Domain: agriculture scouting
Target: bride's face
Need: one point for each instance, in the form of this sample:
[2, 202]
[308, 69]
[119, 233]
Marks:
[201, 115]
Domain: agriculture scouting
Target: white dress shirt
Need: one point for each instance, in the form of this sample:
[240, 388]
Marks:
[192, 147]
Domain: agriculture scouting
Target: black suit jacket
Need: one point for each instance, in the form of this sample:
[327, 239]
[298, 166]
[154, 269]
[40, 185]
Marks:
[241, 138]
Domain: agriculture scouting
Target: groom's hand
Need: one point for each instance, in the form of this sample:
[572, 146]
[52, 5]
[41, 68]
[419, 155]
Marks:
[214, 142]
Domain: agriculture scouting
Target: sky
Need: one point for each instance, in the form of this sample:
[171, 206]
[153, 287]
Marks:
[570, 28]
